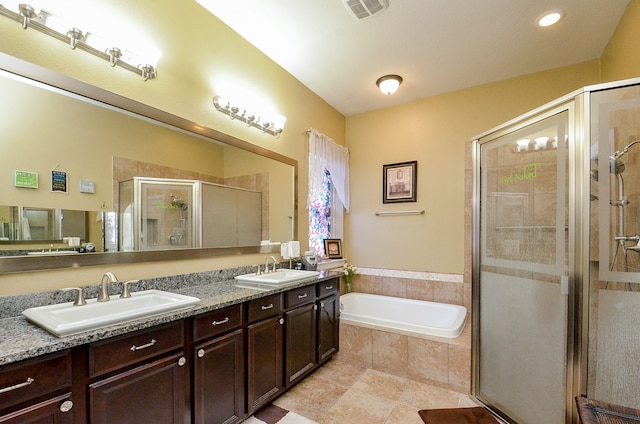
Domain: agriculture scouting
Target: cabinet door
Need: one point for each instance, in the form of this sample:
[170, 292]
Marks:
[328, 327]
[52, 411]
[300, 339]
[151, 393]
[219, 380]
[264, 362]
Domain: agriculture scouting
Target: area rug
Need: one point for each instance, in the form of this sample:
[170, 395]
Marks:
[477, 415]
[272, 414]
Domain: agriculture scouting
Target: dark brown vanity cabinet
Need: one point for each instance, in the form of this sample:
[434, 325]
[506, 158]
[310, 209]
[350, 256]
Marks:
[300, 333]
[38, 391]
[328, 319]
[140, 378]
[264, 351]
[218, 367]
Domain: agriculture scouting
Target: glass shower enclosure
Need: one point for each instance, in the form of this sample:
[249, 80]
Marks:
[160, 213]
[556, 257]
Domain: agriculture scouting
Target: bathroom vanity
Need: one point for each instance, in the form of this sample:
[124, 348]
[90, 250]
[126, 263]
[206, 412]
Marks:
[219, 362]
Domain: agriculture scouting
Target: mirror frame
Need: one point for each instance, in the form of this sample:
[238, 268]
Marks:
[14, 264]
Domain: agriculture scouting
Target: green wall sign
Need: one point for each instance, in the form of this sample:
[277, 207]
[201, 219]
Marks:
[25, 179]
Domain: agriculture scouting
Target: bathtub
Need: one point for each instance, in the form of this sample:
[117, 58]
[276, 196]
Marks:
[407, 315]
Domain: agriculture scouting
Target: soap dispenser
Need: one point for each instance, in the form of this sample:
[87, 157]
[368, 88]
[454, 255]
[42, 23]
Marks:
[310, 260]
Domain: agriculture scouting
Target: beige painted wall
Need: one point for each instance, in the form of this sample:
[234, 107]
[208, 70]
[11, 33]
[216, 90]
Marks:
[201, 58]
[200, 53]
[621, 58]
[435, 132]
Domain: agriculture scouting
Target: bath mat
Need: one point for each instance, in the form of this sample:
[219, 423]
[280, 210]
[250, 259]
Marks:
[477, 415]
[271, 414]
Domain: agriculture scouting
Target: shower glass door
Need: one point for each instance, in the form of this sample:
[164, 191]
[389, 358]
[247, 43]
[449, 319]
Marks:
[521, 270]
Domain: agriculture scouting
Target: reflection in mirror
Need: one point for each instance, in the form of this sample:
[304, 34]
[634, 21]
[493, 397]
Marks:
[99, 146]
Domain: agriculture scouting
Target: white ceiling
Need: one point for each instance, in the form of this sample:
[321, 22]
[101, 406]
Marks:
[437, 46]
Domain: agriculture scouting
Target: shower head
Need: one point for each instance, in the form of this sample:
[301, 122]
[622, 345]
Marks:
[616, 166]
[177, 202]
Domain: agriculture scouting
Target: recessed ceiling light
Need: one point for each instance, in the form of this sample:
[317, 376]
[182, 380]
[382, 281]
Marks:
[550, 18]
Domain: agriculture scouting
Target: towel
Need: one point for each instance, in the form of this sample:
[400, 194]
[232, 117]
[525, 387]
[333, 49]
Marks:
[284, 251]
[294, 249]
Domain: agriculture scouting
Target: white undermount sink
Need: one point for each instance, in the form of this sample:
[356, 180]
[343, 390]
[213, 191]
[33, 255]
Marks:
[64, 319]
[281, 276]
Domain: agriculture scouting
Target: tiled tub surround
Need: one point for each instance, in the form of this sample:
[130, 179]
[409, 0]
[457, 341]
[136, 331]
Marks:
[20, 339]
[438, 361]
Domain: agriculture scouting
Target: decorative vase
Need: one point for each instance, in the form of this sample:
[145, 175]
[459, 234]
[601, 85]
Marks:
[348, 284]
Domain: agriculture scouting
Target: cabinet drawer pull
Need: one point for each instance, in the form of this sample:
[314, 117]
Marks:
[265, 307]
[224, 321]
[303, 295]
[66, 406]
[182, 361]
[328, 287]
[144, 346]
[281, 321]
[17, 386]
[201, 353]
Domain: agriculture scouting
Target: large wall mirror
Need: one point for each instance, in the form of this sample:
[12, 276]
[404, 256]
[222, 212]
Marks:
[73, 155]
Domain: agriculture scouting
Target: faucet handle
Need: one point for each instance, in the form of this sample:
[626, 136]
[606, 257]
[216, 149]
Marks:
[80, 300]
[125, 289]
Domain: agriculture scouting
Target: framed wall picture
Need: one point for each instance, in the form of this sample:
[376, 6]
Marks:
[399, 182]
[333, 248]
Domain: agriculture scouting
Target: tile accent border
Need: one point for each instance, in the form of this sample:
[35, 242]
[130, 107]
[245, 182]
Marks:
[414, 275]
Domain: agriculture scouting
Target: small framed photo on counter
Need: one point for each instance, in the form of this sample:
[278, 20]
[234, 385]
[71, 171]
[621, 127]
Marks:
[333, 248]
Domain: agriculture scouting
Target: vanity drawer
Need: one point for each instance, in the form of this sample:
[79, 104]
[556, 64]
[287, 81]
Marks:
[265, 307]
[33, 378]
[328, 287]
[217, 322]
[113, 354]
[300, 296]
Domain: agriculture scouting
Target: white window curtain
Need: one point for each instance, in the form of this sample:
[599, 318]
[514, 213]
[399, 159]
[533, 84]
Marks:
[324, 153]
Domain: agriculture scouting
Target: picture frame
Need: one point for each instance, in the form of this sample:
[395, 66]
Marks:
[399, 182]
[333, 248]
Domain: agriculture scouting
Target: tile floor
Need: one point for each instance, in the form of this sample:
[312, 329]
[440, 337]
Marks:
[346, 393]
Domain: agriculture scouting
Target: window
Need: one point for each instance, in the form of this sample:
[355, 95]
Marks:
[320, 216]
[328, 190]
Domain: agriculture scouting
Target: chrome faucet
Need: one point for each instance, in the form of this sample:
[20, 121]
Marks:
[107, 278]
[266, 264]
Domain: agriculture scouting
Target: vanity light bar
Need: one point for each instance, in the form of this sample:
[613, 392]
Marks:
[77, 39]
[273, 127]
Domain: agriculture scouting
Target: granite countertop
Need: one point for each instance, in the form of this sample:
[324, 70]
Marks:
[19, 339]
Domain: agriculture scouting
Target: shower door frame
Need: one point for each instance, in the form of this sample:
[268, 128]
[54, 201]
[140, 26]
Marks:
[577, 261]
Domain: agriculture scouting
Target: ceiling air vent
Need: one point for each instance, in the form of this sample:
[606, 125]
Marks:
[362, 9]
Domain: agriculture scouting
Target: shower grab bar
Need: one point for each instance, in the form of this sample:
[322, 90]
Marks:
[390, 213]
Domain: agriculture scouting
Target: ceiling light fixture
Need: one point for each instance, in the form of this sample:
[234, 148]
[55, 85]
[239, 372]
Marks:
[55, 26]
[550, 18]
[273, 125]
[388, 84]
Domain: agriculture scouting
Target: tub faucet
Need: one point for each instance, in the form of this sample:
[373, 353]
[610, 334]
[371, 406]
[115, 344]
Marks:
[107, 278]
[266, 264]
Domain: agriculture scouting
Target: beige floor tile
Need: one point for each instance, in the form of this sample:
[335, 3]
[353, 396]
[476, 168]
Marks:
[340, 372]
[358, 407]
[380, 384]
[403, 414]
[317, 393]
[291, 404]
[423, 396]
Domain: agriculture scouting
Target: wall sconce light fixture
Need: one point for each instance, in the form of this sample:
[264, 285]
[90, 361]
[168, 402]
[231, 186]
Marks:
[389, 84]
[539, 143]
[54, 26]
[271, 125]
